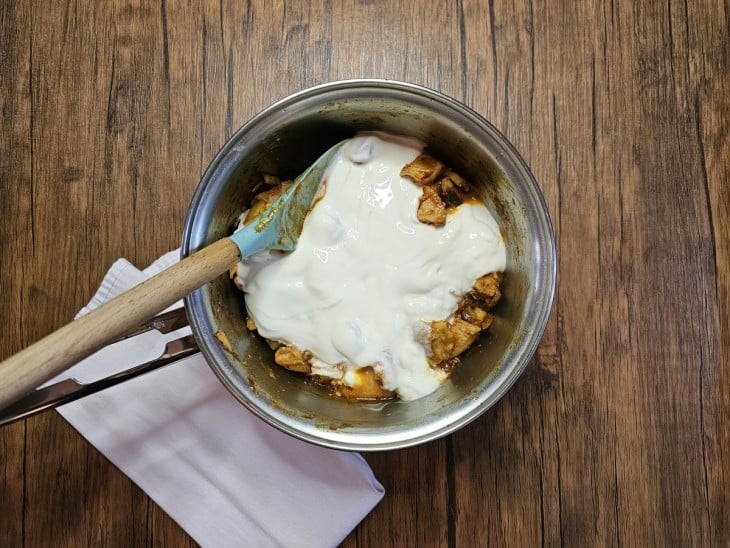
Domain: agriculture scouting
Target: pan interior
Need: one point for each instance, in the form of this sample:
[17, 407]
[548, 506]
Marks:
[286, 138]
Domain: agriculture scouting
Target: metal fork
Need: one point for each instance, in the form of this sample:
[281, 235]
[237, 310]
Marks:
[69, 390]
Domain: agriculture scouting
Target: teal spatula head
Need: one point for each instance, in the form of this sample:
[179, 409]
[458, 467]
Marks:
[280, 225]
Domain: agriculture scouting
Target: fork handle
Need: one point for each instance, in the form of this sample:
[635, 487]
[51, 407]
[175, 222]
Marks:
[48, 357]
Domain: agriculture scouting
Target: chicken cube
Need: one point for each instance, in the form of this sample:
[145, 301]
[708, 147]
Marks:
[293, 359]
[448, 340]
[431, 208]
[457, 180]
[449, 193]
[476, 315]
[486, 289]
[423, 170]
[367, 386]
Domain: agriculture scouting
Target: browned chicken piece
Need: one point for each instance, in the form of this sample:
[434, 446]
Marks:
[431, 208]
[367, 386]
[474, 314]
[250, 324]
[263, 200]
[486, 289]
[448, 340]
[293, 359]
[449, 193]
[457, 180]
[423, 170]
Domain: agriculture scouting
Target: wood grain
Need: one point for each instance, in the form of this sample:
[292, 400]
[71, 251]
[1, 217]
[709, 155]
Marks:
[619, 431]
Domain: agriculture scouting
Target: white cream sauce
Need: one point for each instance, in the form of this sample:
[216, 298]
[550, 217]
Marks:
[367, 277]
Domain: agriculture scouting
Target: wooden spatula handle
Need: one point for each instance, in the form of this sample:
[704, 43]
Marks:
[46, 358]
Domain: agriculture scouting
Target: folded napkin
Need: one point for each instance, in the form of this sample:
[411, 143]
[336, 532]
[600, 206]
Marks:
[224, 475]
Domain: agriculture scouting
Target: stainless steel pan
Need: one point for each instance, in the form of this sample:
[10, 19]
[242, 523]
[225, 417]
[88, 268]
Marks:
[284, 139]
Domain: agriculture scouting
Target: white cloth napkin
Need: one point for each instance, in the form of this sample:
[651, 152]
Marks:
[222, 474]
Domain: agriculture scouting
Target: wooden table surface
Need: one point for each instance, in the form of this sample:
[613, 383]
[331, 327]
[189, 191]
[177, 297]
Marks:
[618, 433]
